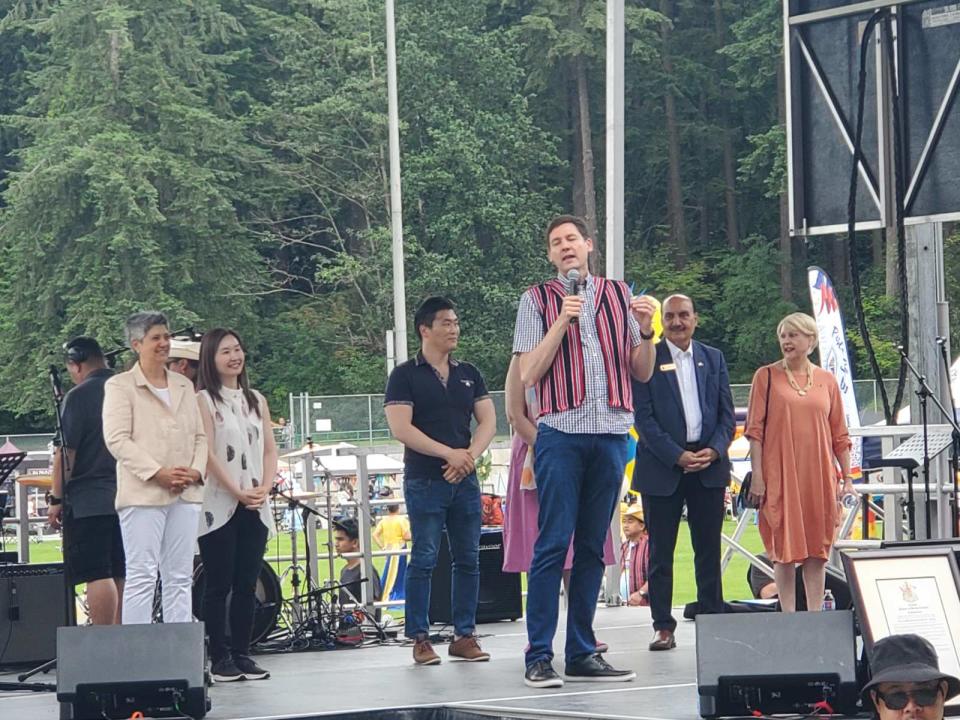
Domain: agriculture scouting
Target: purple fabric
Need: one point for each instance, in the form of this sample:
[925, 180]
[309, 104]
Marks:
[520, 512]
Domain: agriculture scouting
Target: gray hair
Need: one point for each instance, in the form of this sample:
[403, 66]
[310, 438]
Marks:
[139, 324]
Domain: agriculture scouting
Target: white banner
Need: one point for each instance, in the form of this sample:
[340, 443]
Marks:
[833, 352]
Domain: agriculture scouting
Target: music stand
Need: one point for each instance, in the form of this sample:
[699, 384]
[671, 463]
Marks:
[10, 458]
[915, 451]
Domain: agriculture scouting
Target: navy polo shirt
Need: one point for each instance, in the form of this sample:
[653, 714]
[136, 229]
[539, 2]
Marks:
[441, 412]
[92, 488]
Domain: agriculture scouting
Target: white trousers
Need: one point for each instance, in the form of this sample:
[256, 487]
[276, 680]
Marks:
[159, 538]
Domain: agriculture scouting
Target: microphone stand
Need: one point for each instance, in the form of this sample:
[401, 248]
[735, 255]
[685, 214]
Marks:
[68, 592]
[925, 393]
[954, 437]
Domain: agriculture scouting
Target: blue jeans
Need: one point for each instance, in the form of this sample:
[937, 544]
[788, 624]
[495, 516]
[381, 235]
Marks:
[578, 482]
[433, 504]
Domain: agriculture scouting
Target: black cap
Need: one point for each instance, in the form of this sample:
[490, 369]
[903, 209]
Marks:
[82, 348]
[907, 658]
[348, 526]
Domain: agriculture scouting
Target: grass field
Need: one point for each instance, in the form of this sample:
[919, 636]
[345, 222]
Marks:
[734, 580]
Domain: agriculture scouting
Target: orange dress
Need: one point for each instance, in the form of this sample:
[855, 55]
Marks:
[801, 437]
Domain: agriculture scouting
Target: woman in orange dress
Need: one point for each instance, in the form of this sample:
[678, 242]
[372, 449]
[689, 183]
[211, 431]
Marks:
[797, 438]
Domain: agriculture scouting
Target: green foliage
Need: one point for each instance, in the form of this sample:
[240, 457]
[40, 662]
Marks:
[226, 161]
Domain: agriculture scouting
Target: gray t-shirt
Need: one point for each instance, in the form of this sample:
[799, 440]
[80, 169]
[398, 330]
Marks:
[92, 488]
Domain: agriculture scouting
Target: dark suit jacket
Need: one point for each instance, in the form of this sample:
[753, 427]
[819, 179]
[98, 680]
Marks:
[662, 425]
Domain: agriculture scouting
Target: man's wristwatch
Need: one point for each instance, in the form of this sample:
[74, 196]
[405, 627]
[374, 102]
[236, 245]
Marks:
[53, 499]
[647, 337]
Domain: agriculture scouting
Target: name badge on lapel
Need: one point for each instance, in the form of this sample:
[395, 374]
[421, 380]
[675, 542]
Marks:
[666, 367]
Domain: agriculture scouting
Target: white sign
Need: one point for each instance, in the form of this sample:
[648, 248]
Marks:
[323, 425]
[833, 353]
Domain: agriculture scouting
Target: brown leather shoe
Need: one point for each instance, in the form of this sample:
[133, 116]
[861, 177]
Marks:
[468, 648]
[663, 640]
[424, 654]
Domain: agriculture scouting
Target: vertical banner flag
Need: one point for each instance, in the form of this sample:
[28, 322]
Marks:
[833, 353]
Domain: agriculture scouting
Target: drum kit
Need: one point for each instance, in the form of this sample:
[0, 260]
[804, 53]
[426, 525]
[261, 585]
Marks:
[312, 617]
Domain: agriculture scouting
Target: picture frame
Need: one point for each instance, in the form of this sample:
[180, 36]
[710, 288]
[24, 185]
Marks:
[909, 590]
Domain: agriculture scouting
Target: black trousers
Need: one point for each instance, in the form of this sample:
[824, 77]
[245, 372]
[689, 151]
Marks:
[232, 556]
[705, 520]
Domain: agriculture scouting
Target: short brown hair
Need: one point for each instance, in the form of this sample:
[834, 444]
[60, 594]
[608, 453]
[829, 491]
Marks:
[575, 220]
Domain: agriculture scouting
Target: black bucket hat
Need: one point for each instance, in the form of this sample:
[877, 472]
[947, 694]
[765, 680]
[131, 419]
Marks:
[907, 658]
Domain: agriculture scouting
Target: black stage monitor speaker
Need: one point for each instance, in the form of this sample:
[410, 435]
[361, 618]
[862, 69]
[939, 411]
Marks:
[113, 671]
[774, 663]
[500, 594]
[33, 604]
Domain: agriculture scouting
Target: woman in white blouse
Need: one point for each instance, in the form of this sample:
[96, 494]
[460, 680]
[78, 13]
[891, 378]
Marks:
[236, 520]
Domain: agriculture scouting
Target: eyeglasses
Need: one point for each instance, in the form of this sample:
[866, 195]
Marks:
[923, 696]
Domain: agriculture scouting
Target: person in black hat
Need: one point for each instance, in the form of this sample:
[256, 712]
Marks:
[906, 682]
[84, 488]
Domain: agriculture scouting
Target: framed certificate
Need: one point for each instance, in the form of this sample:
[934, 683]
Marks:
[909, 590]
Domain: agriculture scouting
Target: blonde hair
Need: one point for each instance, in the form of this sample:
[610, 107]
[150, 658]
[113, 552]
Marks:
[803, 324]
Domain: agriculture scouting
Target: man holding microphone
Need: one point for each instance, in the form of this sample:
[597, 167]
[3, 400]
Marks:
[579, 339]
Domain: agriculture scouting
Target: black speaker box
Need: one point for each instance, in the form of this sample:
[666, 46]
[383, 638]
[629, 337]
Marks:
[776, 663]
[112, 671]
[500, 594]
[33, 604]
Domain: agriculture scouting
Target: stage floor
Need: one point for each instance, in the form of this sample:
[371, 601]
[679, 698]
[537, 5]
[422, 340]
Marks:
[349, 682]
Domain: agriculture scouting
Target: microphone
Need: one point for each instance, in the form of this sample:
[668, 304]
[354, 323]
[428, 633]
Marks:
[55, 382]
[573, 284]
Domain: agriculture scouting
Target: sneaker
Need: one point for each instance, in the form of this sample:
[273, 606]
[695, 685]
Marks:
[225, 671]
[423, 653]
[250, 670]
[594, 668]
[468, 648]
[601, 647]
[542, 675]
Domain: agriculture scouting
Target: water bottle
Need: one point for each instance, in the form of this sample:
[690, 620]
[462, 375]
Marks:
[849, 500]
[828, 602]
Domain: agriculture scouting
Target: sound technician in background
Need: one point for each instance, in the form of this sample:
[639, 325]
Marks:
[184, 358]
[429, 403]
[84, 507]
[579, 345]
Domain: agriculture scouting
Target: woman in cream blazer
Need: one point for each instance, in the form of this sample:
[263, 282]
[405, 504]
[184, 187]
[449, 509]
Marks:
[152, 426]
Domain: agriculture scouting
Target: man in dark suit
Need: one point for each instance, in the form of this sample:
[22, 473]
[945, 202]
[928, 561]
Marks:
[685, 418]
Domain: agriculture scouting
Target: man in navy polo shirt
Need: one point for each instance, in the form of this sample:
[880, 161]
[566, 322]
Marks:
[429, 404]
[84, 505]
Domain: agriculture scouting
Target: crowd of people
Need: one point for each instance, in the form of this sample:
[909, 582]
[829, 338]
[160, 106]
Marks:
[585, 369]
[179, 449]
[174, 452]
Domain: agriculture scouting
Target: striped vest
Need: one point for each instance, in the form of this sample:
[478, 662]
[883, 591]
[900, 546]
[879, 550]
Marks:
[563, 386]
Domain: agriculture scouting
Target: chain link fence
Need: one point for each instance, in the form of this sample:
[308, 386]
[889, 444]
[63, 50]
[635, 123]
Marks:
[360, 418]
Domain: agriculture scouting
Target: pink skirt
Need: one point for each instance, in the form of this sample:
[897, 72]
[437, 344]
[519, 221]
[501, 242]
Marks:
[520, 528]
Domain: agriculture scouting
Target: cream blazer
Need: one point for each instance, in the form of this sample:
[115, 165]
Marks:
[144, 434]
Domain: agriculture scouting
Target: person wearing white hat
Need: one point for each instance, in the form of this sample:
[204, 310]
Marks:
[184, 358]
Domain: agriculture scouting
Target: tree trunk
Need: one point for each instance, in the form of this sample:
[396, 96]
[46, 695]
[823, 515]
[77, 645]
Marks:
[786, 246]
[703, 231]
[678, 228]
[586, 158]
[729, 157]
[840, 260]
[573, 122]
